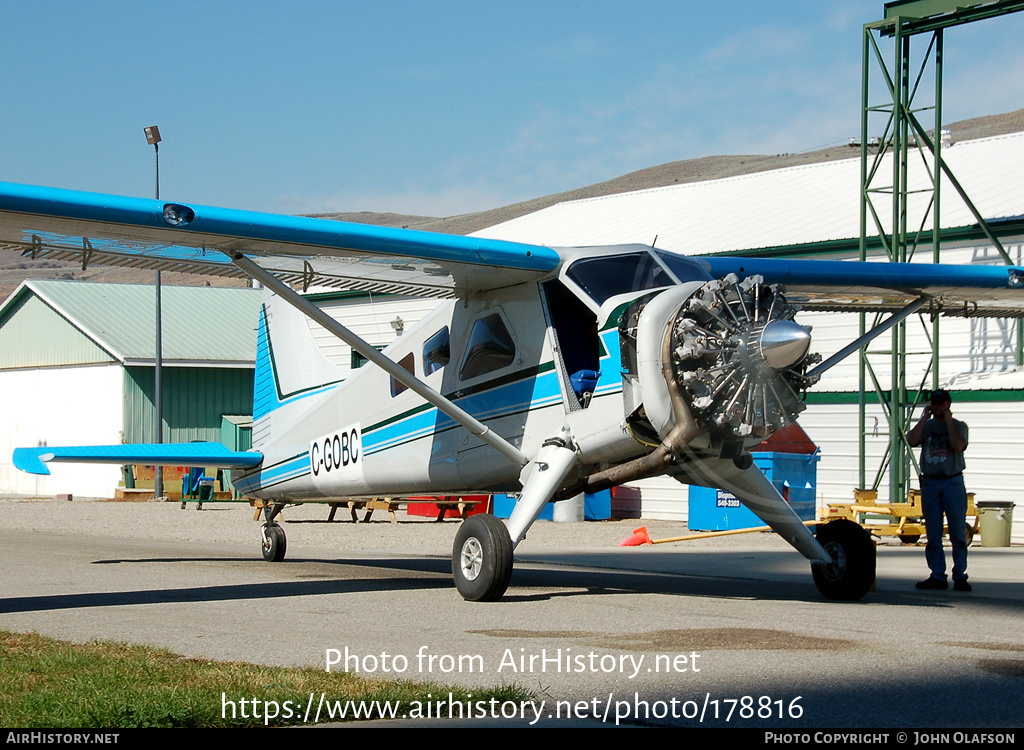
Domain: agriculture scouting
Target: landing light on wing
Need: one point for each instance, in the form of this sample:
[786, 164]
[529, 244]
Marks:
[176, 215]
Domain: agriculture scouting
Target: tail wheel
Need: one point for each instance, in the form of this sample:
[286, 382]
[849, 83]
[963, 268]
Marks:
[482, 559]
[851, 573]
[274, 542]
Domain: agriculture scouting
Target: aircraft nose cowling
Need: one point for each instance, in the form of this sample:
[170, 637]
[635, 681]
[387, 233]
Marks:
[739, 358]
[783, 343]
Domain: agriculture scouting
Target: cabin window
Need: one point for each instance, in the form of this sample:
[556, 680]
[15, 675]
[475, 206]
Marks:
[408, 364]
[437, 352]
[490, 348]
[357, 360]
[611, 275]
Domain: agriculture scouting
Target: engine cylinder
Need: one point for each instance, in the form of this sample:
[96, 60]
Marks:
[735, 353]
[739, 357]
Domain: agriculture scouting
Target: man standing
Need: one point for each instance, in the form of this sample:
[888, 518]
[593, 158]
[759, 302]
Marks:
[943, 441]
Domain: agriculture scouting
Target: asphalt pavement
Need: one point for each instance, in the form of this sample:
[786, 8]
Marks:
[723, 632]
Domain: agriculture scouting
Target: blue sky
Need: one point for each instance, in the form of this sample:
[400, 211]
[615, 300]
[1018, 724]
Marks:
[437, 107]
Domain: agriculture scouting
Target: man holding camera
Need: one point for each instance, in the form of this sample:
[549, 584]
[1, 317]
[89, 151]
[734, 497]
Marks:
[943, 441]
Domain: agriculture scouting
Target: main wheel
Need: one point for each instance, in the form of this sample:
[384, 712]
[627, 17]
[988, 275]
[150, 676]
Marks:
[274, 542]
[482, 558]
[852, 571]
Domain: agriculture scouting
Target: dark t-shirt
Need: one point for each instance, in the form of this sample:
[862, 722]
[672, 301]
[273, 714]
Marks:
[938, 459]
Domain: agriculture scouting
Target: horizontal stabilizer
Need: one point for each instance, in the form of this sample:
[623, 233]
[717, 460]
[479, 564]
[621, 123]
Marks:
[34, 460]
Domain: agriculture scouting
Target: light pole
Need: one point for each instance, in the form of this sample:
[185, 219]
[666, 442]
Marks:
[153, 138]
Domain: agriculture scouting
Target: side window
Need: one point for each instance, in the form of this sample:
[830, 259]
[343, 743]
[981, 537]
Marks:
[490, 348]
[437, 352]
[408, 364]
[357, 360]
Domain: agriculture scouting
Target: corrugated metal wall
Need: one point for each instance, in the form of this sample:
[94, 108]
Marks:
[33, 335]
[195, 399]
[369, 318]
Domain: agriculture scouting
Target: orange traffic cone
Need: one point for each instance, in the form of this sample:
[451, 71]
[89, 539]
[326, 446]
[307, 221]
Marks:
[640, 536]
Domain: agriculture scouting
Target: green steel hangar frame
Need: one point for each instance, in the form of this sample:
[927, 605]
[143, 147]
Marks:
[898, 216]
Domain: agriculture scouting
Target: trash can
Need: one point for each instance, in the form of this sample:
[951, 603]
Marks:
[995, 519]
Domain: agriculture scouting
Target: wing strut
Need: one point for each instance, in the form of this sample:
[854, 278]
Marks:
[896, 317]
[399, 373]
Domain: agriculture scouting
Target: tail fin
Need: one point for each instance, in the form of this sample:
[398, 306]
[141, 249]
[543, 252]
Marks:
[289, 364]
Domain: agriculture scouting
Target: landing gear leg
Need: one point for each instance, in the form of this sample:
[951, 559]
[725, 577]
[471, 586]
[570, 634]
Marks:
[483, 550]
[851, 573]
[272, 535]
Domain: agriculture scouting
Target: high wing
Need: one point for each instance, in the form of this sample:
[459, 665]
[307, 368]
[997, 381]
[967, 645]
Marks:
[146, 233]
[837, 285]
[155, 234]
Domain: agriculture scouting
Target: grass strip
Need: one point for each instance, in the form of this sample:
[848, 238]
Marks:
[50, 683]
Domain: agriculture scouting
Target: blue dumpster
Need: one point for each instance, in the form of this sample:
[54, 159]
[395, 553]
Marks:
[795, 476]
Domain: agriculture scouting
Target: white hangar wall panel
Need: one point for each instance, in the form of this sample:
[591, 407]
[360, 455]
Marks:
[664, 498]
[369, 317]
[790, 206]
[60, 406]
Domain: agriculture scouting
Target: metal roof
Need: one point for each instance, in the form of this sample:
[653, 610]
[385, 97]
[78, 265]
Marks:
[813, 203]
[214, 326]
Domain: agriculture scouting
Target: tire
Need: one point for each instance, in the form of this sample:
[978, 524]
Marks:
[910, 538]
[274, 542]
[482, 559]
[851, 574]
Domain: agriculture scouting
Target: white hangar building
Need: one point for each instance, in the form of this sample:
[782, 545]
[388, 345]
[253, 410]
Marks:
[77, 363]
[813, 211]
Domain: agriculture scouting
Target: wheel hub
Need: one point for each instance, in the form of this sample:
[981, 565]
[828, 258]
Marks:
[471, 559]
[834, 570]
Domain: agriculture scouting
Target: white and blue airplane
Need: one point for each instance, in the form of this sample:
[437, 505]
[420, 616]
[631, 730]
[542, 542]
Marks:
[545, 371]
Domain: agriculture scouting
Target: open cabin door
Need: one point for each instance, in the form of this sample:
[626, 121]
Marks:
[575, 342]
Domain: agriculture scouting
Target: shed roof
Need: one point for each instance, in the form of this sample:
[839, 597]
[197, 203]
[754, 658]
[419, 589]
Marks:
[783, 208]
[214, 326]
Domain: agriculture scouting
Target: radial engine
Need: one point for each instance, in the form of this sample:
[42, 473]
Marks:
[724, 360]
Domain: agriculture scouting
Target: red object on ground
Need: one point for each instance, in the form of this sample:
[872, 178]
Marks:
[427, 506]
[639, 537]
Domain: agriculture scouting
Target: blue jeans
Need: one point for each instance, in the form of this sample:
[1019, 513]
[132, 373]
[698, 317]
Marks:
[945, 497]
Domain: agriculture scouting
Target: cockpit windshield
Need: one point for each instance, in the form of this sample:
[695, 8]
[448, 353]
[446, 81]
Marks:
[685, 269]
[605, 277]
[608, 276]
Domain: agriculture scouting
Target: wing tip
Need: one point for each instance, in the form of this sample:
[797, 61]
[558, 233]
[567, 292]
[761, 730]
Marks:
[32, 460]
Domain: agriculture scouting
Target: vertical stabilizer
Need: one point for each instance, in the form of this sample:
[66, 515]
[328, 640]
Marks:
[289, 364]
